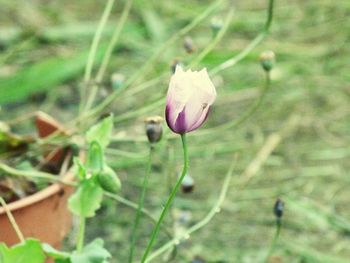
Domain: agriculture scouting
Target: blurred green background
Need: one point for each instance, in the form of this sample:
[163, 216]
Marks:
[299, 137]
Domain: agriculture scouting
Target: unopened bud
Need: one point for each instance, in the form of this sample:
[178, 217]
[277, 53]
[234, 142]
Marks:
[267, 60]
[117, 80]
[198, 259]
[189, 45]
[187, 184]
[176, 62]
[278, 208]
[216, 24]
[154, 129]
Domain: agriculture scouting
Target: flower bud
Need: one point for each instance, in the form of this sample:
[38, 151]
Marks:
[154, 129]
[278, 208]
[109, 180]
[267, 60]
[176, 62]
[189, 45]
[117, 80]
[187, 184]
[216, 24]
[198, 259]
[189, 98]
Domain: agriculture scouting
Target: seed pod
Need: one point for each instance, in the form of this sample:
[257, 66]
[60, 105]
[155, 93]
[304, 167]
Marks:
[187, 184]
[198, 259]
[278, 208]
[117, 80]
[216, 24]
[267, 60]
[176, 62]
[189, 46]
[154, 129]
[109, 180]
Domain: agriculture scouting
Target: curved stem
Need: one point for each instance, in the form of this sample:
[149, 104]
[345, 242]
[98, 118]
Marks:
[140, 205]
[81, 234]
[215, 209]
[108, 53]
[274, 240]
[93, 50]
[12, 220]
[133, 205]
[169, 201]
[234, 60]
[33, 174]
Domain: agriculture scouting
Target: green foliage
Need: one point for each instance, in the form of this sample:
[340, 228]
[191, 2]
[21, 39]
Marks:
[59, 256]
[86, 199]
[101, 132]
[91, 253]
[42, 76]
[28, 252]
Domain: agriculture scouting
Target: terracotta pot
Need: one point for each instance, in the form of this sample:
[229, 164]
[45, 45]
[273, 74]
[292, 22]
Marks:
[43, 215]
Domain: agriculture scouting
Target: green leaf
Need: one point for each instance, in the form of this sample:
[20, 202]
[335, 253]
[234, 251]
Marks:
[92, 253]
[28, 252]
[101, 132]
[43, 76]
[86, 199]
[56, 254]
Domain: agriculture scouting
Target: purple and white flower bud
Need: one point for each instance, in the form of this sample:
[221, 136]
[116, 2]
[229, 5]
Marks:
[190, 96]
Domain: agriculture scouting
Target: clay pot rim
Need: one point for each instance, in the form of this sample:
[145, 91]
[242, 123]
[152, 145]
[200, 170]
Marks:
[38, 196]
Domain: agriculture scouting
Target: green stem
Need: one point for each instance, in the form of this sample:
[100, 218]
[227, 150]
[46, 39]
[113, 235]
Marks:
[234, 60]
[81, 234]
[140, 205]
[33, 174]
[93, 50]
[215, 210]
[133, 205]
[12, 220]
[108, 54]
[274, 240]
[169, 201]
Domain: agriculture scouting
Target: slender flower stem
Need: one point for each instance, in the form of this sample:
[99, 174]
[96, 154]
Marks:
[108, 54]
[144, 211]
[81, 234]
[140, 205]
[33, 174]
[214, 211]
[93, 50]
[169, 201]
[12, 220]
[274, 240]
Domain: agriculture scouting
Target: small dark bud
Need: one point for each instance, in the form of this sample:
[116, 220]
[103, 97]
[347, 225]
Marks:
[189, 46]
[267, 60]
[187, 184]
[278, 208]
[117, 80]
[216, 24]
[198, 259]
[174, 64]
[154, 129]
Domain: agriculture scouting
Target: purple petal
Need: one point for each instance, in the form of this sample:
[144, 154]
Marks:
[180, 123]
